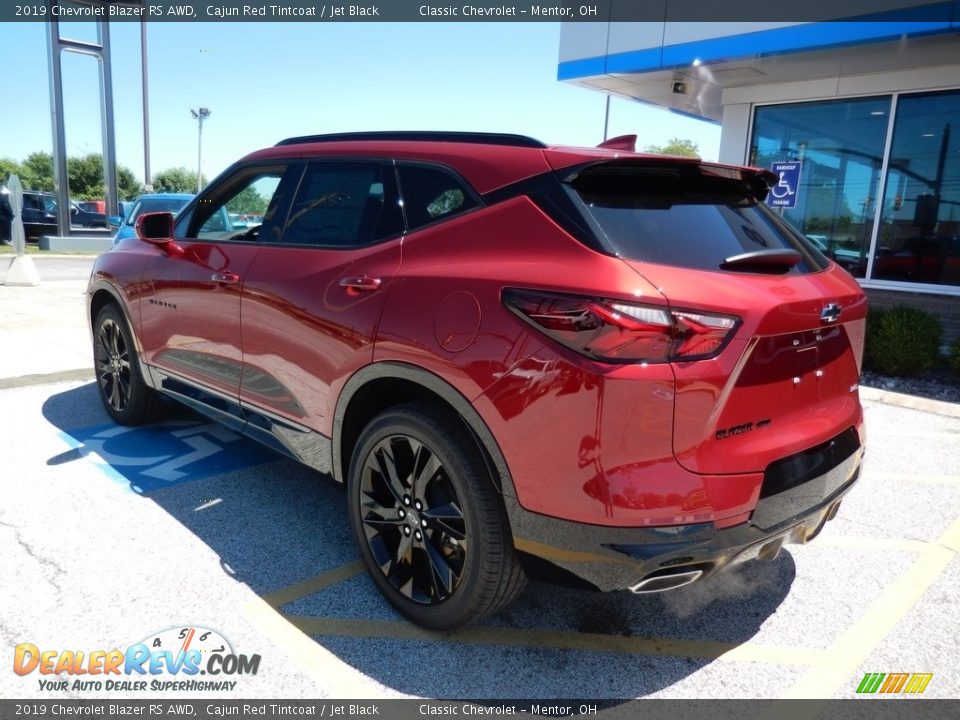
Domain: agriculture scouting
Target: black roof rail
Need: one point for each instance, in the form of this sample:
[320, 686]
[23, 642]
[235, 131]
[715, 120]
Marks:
[421, 136]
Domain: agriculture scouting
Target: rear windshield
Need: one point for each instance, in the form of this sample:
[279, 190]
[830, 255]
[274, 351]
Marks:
[686, 216]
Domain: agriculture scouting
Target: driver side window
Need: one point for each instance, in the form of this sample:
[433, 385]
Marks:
[241, 207]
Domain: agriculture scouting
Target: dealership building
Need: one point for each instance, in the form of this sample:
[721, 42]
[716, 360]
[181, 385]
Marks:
[861, 121]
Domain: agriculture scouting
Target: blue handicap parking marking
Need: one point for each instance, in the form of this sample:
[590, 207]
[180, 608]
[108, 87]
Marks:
[161, 455]
[784, 192]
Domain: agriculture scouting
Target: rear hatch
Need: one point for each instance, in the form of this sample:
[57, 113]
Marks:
[786, 380]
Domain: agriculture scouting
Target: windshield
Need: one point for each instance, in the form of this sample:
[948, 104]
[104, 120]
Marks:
[152, 205]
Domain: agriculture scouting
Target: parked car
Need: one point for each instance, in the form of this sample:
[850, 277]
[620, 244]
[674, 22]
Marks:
[931, 259]
[94, 206]
[80, 217]
[588, 365]
[6, 216]
[39, 215]
[155, 202]
[852, 261]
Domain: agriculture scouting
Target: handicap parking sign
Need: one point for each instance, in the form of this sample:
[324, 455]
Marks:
[783, 194]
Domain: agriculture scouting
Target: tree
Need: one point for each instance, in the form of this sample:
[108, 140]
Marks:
[9, 167]
[676, 146]
[84, 176]
[86, 179]
[248, 201]
[179, 180]
[128, 187]
[38, 171]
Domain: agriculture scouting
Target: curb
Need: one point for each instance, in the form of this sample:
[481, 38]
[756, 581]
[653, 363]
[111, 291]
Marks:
[886, 397]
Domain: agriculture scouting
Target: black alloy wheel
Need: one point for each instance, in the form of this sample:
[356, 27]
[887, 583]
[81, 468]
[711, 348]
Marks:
[412, 520]
[429, 520]
[125, 395]
[112, 359]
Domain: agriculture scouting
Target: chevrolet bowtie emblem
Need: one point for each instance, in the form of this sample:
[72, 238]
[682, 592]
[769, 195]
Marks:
[830, 313]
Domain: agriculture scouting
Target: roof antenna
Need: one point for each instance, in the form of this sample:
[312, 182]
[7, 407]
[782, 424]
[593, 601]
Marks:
[621, 142]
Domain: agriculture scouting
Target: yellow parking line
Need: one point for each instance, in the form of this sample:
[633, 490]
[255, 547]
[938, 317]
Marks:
[314, 584]
[561, 640]
[561, 555]
[342, 680]
[854, 646]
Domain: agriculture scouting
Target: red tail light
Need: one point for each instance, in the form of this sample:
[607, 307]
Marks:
[616, 331]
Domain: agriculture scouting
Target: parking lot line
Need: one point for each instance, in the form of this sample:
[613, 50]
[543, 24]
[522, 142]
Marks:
[560, 640]
[340, 679]
[518, 637]
[854, 646]
[827, 668]
[313, 585]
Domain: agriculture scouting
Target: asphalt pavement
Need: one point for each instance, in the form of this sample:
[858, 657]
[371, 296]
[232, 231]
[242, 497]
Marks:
[111, 536]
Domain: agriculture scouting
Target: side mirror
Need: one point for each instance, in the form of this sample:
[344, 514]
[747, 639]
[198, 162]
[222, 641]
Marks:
[115, 221]
[155, 228]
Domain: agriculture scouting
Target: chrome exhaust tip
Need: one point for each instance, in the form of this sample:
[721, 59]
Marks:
[660, 583]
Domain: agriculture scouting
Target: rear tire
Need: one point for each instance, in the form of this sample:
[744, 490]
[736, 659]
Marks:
[428, 520]
[125, 395]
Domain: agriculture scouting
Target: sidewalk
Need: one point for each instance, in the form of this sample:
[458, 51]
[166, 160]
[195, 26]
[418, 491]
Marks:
[43, 329]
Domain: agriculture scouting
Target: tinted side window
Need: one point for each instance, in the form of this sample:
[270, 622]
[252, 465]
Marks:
[261, 193]
[430, 194]
[344, 204]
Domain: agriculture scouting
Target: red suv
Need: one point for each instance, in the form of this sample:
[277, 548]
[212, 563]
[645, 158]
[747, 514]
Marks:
[591, 365]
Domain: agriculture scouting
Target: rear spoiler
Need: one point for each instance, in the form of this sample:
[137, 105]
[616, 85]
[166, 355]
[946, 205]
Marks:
[758, 180]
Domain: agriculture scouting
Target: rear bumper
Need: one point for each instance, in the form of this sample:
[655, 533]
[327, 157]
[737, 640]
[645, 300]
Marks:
[800, 494]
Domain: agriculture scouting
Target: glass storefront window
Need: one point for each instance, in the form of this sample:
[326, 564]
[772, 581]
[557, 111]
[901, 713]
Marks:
[840, 144]
[919, 237]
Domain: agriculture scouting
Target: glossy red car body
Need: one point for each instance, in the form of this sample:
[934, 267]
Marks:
[612, 472]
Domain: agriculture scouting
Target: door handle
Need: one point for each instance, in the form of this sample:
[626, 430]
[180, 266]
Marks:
[226, 277]
[360, 282]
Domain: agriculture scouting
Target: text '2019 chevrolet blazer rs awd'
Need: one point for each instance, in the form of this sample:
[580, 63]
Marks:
[598, 366]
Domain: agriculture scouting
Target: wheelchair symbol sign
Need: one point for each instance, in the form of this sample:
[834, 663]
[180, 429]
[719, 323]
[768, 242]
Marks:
[783, 194]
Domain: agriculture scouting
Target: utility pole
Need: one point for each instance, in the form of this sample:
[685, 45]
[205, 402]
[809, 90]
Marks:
[147, 179]
[200, 115]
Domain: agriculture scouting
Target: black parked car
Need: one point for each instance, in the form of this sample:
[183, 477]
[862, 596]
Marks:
[40, 216]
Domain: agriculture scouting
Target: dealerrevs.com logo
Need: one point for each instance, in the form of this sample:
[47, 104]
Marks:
[183, 653]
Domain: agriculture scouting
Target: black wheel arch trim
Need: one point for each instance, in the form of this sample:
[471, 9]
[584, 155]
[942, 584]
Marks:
[390, 369]
[100, 284]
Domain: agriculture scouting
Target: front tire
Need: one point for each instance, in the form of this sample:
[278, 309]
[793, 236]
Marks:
[125, 395]
[428, 520]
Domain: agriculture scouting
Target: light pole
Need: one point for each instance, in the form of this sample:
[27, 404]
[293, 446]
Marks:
[200, 115]
[147, 182]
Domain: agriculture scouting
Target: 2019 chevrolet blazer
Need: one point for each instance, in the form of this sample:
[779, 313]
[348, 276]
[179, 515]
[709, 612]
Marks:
[592, 365]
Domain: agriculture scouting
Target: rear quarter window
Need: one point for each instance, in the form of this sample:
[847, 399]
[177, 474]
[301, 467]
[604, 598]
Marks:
[431, 194]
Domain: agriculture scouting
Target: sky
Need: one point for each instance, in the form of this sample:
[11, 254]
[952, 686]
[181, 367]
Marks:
[266, 81]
